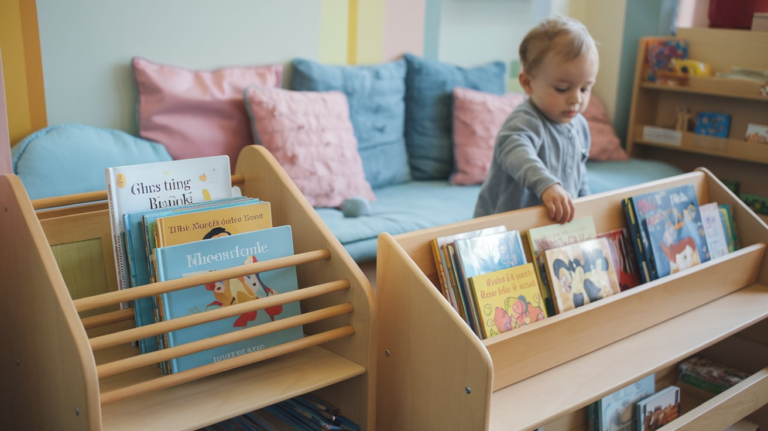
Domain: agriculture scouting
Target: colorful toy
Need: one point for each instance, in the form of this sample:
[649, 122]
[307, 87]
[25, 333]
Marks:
[691, 67]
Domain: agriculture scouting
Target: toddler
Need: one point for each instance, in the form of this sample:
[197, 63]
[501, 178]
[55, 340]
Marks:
[542, 148]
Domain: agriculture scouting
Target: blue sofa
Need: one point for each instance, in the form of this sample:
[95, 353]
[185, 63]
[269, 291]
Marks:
[81, 153]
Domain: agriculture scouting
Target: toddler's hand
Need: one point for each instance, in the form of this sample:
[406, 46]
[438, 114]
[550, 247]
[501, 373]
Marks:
[558, 203]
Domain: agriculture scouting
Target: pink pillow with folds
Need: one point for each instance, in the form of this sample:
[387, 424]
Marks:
[605, 144]
[477, 119]
[311, 136]
[198, 113]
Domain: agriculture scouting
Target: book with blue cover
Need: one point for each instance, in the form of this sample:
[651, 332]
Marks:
[217, 254]
[484, 254]
[676, 236]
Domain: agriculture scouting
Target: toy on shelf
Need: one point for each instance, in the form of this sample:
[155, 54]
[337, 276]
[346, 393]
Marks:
[691, 67]
[713, 124]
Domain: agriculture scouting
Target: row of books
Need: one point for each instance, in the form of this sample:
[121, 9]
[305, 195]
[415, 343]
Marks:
[639, 407]
[302, 413]
[177, 219]
[486, 277]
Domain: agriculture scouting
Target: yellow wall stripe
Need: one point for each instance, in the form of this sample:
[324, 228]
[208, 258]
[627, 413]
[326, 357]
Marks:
[370, 31]
[352, 33]
[34, 64]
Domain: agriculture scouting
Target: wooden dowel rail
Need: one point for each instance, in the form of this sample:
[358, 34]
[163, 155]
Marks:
[128, 335]
[225, 365]
[100, 195]
[108, 318]
[152, 289]
[121, 366]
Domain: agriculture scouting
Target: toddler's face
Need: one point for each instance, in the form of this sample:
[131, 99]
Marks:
[561, 89]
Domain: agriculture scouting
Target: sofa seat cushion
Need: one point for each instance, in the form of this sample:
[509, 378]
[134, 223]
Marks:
[422, 204]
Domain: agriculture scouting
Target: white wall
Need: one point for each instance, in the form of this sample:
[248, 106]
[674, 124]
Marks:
[87, 46]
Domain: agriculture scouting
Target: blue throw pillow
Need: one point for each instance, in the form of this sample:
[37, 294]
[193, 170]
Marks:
[71, 158]
[376, 107]
[429, 110]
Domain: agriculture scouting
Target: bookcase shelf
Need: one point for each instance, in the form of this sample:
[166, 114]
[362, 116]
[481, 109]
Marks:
[434, 373]
[710, 86]
[55, 357]
[721, 147]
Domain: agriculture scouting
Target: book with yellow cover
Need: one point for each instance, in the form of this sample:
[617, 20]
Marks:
[581, 273]
[552, 236]
[196, 226]
[507, 299]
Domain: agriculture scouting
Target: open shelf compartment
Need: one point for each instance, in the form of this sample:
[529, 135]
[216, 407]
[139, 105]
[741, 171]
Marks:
[429, 358]
[54, 349]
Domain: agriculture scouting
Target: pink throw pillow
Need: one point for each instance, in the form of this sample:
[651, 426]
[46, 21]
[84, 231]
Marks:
[477, 119]
[605, 144]
[198, 113]
[311, 135]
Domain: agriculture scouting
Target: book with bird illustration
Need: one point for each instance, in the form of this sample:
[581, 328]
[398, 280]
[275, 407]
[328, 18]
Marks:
[507, 299]
[217, 254]
[581, 273]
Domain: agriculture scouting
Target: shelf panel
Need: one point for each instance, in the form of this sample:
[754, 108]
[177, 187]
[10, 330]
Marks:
[721, 147]
[573, 385]
[710, 86]
[216, 398]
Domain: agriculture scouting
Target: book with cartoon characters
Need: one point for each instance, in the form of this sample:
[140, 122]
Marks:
[484, 254]
[676, 236]
[552, 236]
[160, 185]
[221, 253]
[658, 409]
[507, 299]
[581, 273]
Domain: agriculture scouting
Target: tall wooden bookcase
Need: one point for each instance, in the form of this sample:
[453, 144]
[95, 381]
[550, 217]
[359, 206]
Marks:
[61, 370]
[434, 373]
[656, 105]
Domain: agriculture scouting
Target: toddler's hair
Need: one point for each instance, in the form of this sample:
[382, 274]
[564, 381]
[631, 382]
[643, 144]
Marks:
[566, 37]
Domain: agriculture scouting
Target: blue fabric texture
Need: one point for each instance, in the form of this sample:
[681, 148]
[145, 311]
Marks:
[423, 204]
[429, 110]
[71, 158]
[376, 96]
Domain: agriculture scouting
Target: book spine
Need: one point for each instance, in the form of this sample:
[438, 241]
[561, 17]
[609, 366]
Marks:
[449, 289]
[454, 281]
[115, 229]
[469, 298]
[636, 238]
[438, 268]
[700, 383]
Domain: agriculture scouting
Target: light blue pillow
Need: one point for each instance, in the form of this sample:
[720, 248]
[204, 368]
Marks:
[71, 158]
[429, 110]
[376, 96]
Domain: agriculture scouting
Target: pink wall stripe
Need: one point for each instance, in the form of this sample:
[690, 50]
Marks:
[404, 28]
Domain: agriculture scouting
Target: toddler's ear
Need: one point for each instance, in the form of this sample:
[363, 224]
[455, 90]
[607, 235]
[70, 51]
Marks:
[525, 82]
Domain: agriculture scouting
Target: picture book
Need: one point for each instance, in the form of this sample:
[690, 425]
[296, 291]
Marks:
[581, 273]
[440, 258]
[484, 254]
[708, 375]
[658, 409]
[449, 250]
[759, 204]
[713, 230]
[507, 299]
[552, 236]
[757, 134]
[729, 227]
[624, 259]
[161, 185]
[221, 253]
[618, 411]
[659, 55]
[636, 236]
[212, 223]
[675, 232]
[713, 124]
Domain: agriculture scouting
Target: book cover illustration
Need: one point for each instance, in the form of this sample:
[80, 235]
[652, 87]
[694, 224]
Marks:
[713, 230]
[484, 254]
[581, 273]
[729, 227]
[624, 259]
[713, 124]
[161, 185]
[658, 409]
[675, 232]
[757, 134]
[220, 253]
[659, 56]
[706, 374]
[552, 236]
[212, 223]
[440, 257]
[507, 299]
[617, 411]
